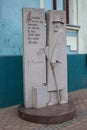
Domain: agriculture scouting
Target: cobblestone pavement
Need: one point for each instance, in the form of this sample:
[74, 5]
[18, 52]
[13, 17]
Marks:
[9, 119]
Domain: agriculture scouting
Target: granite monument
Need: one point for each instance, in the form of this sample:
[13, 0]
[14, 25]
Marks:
[45, 68]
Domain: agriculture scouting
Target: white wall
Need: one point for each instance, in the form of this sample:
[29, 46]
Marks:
[82, 21]
[73, 10]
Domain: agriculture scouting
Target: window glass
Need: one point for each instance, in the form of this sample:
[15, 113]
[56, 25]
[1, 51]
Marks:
[59, 4]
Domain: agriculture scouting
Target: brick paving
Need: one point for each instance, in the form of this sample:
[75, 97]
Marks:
[9, 119]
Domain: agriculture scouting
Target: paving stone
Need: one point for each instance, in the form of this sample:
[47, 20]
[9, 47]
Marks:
[9, 119]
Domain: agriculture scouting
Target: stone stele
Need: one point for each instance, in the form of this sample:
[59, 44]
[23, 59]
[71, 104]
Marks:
[34, 62]
[57, 59]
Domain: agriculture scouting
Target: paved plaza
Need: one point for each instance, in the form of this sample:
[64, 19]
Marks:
[9, 119]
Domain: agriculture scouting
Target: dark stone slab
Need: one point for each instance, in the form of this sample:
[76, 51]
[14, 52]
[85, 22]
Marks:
[48, 115]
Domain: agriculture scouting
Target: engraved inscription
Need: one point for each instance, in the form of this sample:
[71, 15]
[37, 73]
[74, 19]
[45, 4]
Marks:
[33, 28]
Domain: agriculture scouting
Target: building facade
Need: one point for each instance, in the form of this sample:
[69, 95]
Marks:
[11, 24]
[11, 74]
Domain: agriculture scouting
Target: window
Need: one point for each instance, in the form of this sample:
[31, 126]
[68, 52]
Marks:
[71, 11]
[62, 5]
[66, 8]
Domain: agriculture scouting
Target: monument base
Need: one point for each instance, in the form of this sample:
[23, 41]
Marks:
[48, 115]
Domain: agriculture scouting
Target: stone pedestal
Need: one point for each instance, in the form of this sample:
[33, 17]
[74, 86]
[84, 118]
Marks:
[48, 115]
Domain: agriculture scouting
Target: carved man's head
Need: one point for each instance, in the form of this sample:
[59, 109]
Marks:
[57, 26]
[58, 23]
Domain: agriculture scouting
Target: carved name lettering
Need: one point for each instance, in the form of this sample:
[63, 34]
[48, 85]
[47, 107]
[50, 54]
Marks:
[33, 29]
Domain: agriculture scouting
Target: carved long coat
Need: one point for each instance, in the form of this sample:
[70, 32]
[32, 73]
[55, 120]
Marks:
[58, 56]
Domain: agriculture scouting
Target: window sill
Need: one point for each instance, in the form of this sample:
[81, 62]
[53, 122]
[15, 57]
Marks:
[72, 27]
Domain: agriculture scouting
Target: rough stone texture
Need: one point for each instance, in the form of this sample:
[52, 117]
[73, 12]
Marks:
[40, 96]
[57, 49]
[34, 40]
